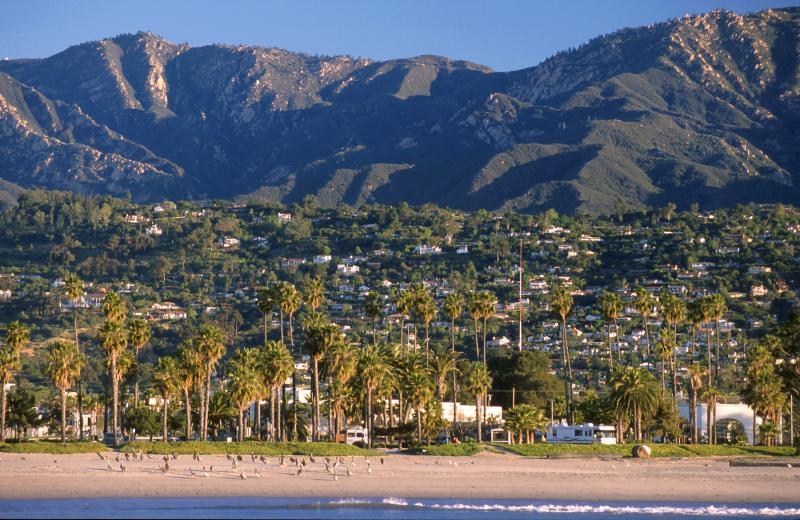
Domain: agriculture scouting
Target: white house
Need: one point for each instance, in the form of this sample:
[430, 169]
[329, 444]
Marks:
[322, 259]
[427, 250]
[154, 230]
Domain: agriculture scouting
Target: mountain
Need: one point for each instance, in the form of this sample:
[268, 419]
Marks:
[699, 109]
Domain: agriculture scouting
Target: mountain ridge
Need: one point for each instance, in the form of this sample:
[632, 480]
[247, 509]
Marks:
[698, 109]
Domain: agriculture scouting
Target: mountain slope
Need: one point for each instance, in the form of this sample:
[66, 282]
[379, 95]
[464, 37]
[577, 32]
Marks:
[703, 108]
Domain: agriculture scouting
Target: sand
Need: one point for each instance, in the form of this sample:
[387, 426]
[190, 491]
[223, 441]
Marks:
[487, 475]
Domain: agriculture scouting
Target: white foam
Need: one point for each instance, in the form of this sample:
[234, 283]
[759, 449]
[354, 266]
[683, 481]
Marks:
[394, 501]
[611, 509]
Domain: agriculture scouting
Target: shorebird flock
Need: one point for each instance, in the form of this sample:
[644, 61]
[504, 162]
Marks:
[241, 467]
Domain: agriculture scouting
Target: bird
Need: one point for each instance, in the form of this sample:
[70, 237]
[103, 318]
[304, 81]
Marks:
[55, 461]
[789, 466]
[102, 457]
[122, 467]
[228, 456]
[205, 473]
[239, 457]
[242, 475]
[258, 475]
[328, 468]
[300, 471]
[349, 473]
[24, 458]
[117, 458]
[174, 457]
[127, 457]
[211, 469]
[382, 461]
[166, 466]
[108, 465]
[335, 476]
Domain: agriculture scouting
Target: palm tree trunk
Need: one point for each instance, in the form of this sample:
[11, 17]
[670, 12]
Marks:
[478, 400]
[115, 399]
[477, 346]
[369, 417]
[455, 399]
[265, 327]
[240, 436]
[315, 402]
[166, 408]
[136, 383]
[708, 420]
[208, 403]
[63, 415]
[80, 385]
[484, 341]
[608, 342]
[716, 354]
[188, 407]
[258, 419]
[281, 316]
[291, 331]
[419, 425]
[3, 412]
[646, 335]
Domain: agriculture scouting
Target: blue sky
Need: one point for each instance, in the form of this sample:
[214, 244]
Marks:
[503, 34]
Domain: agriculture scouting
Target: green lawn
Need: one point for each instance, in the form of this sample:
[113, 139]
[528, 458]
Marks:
[659, 450]
[447, 450]
[54, 447]
[247, 447]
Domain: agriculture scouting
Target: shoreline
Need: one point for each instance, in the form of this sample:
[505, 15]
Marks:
[485, 476]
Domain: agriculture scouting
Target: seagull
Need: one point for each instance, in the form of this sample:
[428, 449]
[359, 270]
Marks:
[122, 467]
[174, 457]
[300, 471]
[335, 476]
[117, 459]
[228, 456]
[102, 457]
[242, 475]
[108, 464]
[328, 468]
[258, 475]
[382, 461]
[239, 457]
[313, 460]
[349, 473]
[205, 473]
[127, 457]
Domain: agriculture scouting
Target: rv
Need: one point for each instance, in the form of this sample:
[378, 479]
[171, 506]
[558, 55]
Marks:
[581, 434]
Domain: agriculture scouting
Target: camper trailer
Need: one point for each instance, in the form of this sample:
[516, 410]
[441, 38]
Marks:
[581, 434]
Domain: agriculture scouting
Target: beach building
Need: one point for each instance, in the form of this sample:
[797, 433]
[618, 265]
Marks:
[733, 421]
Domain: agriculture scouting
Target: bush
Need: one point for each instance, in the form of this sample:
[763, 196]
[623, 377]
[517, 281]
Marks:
[659, 450]
[54, 447]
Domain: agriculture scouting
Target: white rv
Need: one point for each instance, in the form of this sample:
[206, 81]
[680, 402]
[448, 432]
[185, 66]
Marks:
[581, 434]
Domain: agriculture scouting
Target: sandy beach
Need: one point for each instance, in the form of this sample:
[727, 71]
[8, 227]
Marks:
[486, 475]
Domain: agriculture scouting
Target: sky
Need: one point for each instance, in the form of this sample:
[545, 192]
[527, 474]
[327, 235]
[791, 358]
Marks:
[502, 34]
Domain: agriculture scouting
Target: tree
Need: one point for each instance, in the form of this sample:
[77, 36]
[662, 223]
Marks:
[265, 303]
[442, 365]
[695, 380]
[717, 309]
[561, 305]
[764, 389]
[167, 382]
[314, 295]
[340, 364]
[138, 335]
[211, 346]
[477, 383]
[318, 340]
[453, 304]
[276, 365]
[17, 336]
[635, 395]
[372, 306]
[64, 364]
[420, 393]
[474, 307]
[244, 385]
[73, 289]
[403, 305]
[114, 341]
[487, 303]
[191, 369]
[525, 418]
[643, 303]
[373, 370]
[610, 307]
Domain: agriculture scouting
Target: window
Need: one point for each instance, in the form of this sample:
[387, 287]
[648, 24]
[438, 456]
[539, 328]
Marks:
[578, 433]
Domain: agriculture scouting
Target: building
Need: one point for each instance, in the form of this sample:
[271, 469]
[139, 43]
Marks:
[427, 250]
[154, 231]
[732, 420]
[165, 311]
[229, 242]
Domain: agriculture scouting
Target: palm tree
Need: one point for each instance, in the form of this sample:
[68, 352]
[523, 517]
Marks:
[191, 369]
[340, 364]
[634, 395]
[17, 336]
[452, 305]
[138, 334]
[475, 313]
[695, 380]
[695, 317]
[314, 293]
[265, 303]
[610, 307]
[442, 365]
[711, 395]
[211, 345]
[64, 364]
[561, 304]
[674, 311]
[427, 311]
[73, 289]
[289, 302]
[167, 382]
[276, 365]
[403, 305]
[643, 303]
[114, 341]
[114, 308]
[717, 309]
[245, 383]
[666, 354]
[487, 303]
[420, 393]
[373, 369]
[477, 383]
[317, 340]
[372, 306]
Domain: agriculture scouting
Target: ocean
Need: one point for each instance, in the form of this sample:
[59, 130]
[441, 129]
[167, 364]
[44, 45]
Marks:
[389, 508]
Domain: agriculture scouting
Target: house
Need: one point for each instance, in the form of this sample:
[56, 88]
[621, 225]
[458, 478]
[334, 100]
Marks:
[462, 250]
[427, 250]
[759, 269]
[261, 242]
[759, 290]
[165, 311]
[158, 208]
[322, 259]
[5, 294]
[284, 217]
[229, 242]
[347, 269]
[154, 231]
[135, 219]
[293, 262]
[498, 342]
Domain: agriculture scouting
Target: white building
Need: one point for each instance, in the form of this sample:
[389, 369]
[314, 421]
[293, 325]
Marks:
[730, 417]
[154, 231]
[427, 250]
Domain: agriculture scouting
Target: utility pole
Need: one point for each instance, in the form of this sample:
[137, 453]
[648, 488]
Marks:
[520, 295]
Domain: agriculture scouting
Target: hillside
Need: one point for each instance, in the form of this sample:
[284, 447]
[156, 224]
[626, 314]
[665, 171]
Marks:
[700, 109]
